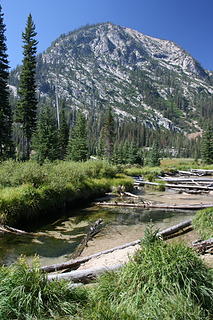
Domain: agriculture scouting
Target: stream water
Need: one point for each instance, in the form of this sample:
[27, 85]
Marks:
[60, 238]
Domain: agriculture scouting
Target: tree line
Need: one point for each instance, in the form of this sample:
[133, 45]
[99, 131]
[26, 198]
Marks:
[27, 132]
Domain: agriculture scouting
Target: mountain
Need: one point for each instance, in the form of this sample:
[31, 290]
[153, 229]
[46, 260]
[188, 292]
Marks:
[144, 79]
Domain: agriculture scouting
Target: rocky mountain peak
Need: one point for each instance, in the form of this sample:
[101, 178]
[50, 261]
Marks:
[143, 78]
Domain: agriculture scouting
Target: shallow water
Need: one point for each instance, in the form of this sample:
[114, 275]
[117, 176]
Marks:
[61, 237]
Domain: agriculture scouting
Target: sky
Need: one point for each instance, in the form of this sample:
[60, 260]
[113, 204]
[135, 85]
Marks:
[189, 23]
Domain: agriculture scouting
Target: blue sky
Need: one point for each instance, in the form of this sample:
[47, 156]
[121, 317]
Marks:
[189, 23]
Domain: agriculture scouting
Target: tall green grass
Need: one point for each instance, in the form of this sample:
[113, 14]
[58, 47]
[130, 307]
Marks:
[28, 190]
[203, 223]
[27, 294]
[163, 281]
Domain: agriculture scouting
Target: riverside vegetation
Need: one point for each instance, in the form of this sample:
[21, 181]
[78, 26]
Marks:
[162, 281]
[29, 191]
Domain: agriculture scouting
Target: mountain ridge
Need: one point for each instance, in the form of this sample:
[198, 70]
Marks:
[143, 78]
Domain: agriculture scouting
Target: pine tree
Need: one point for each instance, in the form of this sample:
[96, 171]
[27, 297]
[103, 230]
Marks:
[207, 145]
[108, 134]
[77, 148]
[6, 145]
[27, 104]
[63, 136]
[45, 140]
[154, 155]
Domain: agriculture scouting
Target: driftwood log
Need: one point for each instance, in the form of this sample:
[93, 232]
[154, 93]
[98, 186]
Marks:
[157, 205]
[75, 263]
[195, 180]
[180, 186]
[7, 229]
[174, 229]
[83, 276]
[205, 246]
[93, 230]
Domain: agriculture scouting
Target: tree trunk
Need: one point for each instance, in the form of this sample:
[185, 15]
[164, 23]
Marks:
[84, 276]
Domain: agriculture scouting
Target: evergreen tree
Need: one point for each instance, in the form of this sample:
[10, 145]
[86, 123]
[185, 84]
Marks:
[6, 145]
[77, 148]
[100, 147]
[45, 140]
[108, 134]
[207, 145]
[27, 103]
[154, 155]
[63, 136]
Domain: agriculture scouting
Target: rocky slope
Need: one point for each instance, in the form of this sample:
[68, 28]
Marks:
[143, 78]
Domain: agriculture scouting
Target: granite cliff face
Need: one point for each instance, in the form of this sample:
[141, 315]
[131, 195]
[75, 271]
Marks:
[143, 78]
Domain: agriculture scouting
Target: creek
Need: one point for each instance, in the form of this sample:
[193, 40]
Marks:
[60, 238]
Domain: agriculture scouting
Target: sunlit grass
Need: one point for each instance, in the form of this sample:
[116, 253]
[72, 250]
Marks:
[203, 223]
[163, 281]
[29, 189]
[27, 294]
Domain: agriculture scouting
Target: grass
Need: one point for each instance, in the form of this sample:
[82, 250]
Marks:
[27, 294]
[203, 223]
[28, 190]
[163, 281]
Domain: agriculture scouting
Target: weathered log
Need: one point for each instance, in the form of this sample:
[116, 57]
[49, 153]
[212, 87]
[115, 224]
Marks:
[18, 232]
[7, 229]
[171, 230]
[93, 230]
[189, 173]
[180, 186]
[202, 171]
[187, 180]
[77, 262]
[74, 263]
[196, 206]
[157, 205]
[129, 194]
[203, 246]
[84, 276]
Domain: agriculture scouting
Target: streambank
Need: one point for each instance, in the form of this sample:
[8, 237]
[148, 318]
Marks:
[23, 205]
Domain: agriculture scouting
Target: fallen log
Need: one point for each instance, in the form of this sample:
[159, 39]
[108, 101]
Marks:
[188, 173]
[174, 229]
[197, 206]
[93, 230]
[202, 171]
[75, 263]
[186, 180]
[157, 205]
[180, 186]
[203, 246]
[83, 276]
[129, 194]
[7, 229]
